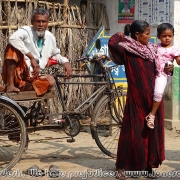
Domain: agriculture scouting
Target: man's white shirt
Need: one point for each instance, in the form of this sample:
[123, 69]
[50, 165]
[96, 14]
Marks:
[25, 40]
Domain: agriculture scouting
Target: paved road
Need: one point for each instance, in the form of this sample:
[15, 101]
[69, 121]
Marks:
[78, 158]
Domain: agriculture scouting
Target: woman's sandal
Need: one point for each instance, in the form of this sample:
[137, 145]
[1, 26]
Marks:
[120, 174]
[150, 120]
[151, 173]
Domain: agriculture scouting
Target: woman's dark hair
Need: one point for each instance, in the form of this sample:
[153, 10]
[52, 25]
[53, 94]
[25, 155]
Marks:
[39, 10]
[138, 26]
[164, 26]
[127, 29]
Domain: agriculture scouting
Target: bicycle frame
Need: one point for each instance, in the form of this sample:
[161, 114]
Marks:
[89, 100]
[104, 86]
[103, 82]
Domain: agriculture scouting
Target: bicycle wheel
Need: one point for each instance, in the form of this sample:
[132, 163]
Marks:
[12, 136]
[106, 125]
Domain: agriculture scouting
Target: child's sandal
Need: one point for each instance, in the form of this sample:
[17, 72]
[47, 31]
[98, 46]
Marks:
[150, 120]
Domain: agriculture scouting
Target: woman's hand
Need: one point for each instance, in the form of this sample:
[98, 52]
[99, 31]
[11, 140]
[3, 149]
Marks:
[121, 35]
[169, 69]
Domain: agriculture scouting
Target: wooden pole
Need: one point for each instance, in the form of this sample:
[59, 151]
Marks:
[65, 15]
[60, 24]
[66, 2]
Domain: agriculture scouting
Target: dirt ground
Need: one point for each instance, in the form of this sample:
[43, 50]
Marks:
[75, 159]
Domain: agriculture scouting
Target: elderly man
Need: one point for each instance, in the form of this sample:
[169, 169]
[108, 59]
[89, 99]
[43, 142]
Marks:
[28, 50]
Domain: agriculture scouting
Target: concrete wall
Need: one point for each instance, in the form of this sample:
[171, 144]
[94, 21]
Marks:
[112, 11]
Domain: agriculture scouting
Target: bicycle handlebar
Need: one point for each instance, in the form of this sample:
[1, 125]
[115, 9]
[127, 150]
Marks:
[96, 57]
[82, 59]
[103, 57]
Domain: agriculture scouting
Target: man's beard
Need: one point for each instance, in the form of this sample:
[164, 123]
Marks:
[40, 33]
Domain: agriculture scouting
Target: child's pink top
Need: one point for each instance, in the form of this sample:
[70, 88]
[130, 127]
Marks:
[164, 55]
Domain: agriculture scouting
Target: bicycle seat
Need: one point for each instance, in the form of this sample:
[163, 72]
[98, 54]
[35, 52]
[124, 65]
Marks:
[51, 62]
[29, 95]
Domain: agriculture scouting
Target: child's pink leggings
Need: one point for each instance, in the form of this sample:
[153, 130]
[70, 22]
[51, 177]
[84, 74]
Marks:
[160, 84]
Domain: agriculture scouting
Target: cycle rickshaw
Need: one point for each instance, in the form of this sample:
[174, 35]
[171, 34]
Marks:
[106, 103]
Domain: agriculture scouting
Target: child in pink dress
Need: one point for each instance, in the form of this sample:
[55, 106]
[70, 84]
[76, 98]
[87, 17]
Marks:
[165, 55]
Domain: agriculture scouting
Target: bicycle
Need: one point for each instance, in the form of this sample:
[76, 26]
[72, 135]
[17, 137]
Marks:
[107, 113]
[105, 103]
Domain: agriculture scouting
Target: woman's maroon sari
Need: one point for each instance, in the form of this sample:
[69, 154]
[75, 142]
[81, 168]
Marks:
[138, 145]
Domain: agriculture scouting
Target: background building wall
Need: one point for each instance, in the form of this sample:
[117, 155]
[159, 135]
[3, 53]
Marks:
[112, 11]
